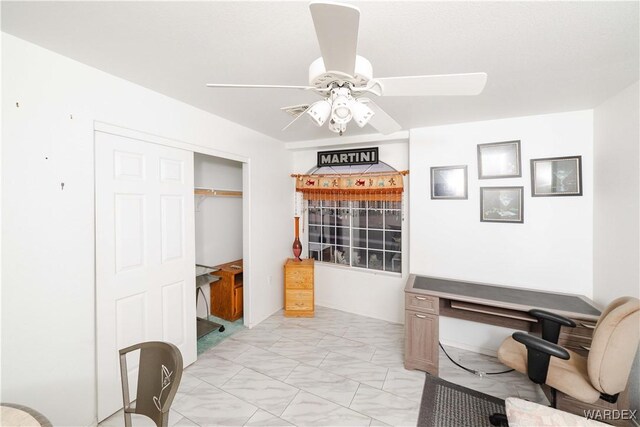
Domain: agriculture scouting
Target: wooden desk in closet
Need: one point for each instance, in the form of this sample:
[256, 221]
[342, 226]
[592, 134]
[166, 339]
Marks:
[226, 293]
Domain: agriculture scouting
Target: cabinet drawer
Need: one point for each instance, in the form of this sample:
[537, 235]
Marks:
[421, 303]
[299, 278]
[299, 300]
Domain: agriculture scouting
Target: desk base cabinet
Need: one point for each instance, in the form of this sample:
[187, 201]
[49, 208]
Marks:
[421, 349]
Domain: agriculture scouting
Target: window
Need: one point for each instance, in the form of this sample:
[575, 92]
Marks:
[356, 233]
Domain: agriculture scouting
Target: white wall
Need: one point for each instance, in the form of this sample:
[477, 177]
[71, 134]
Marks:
[373, 294]
[48, 342]
[616, 205]
[552, 250]
[616, 202]
[218, 219]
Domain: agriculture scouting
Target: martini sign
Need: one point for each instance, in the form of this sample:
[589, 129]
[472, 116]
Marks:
[360, 156]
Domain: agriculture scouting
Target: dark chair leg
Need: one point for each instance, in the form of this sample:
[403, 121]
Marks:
[498, 420]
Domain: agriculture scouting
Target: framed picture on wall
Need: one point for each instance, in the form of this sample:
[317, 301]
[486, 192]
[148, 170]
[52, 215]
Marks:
[501, 204]
[556, 176]
[499, 160]
[449, 182]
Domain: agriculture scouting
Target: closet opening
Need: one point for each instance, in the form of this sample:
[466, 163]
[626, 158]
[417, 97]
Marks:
[218, 199]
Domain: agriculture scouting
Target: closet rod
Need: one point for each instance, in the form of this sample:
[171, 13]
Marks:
[218, 193]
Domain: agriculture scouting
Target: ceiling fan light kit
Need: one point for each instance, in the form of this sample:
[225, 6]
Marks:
[341, 77]
[319, 112]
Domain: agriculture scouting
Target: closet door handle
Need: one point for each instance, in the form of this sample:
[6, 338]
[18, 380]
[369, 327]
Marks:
[421, 298]
[421, 316]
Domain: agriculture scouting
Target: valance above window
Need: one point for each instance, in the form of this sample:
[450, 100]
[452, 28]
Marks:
[385, 186]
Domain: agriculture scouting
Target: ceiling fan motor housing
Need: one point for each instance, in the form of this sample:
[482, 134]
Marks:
[320, 78]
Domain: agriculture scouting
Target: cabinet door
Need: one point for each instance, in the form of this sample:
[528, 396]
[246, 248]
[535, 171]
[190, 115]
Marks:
[421, 341]
[237, 301]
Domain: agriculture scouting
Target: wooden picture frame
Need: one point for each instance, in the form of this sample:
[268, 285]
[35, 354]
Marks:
[499, 160]
[556, 176]
[502, 204]
[449, 182]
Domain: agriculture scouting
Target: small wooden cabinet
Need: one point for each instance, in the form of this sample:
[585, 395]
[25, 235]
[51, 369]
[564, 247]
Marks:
[226, 293]
[421, 333]
[298, 288]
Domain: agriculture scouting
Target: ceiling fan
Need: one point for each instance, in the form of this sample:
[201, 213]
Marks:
[343, 78]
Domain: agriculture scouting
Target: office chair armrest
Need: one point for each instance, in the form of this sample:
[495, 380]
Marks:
[539, 351]
[553, 317]
[543, 346]
[551, 324]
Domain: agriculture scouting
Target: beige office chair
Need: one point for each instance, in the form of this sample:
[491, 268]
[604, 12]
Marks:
[601, 375]
[159, 376]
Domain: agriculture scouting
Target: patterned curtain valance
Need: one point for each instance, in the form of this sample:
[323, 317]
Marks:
[387, 186]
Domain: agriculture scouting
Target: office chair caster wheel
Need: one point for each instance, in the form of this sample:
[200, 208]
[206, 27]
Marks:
[498, 420]
[221, 329]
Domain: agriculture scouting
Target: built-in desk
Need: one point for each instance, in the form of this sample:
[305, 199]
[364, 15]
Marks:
[427, 298]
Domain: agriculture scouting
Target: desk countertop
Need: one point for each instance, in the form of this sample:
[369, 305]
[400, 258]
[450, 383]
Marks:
[576, 306]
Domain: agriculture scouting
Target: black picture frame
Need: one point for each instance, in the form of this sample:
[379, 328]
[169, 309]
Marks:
[556, 176]
[493, 164]
[449, 182]
[502, 204]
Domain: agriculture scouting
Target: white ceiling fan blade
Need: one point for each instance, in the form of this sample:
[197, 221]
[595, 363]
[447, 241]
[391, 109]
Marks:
[381, 121]
[295, 109]
[435, 85]
[337, 31]
[260, 86]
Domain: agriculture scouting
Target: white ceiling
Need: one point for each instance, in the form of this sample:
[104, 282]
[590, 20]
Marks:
[541, 57]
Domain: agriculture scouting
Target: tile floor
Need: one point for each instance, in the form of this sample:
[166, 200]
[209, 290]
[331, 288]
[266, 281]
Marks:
[336, 369]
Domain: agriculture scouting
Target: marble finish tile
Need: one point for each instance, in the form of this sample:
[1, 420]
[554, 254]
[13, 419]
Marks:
[408, 384]
[375, 336]
[207, 405]
[299, 333]
[337, 360]
[357, 370]
[309, 410]
[378, 423]
[385, 407]
[388, 358]
[265, 419]
[183, 422]
[257, 338]
[302, 352]
[187, 383]
[267, 362]
[332, 387]
[212, 369]
[261, 390]
[228, 349]
[347, 347]
[117, 420]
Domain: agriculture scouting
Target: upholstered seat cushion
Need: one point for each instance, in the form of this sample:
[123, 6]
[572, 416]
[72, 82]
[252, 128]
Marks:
[568, 376]
[522, 413]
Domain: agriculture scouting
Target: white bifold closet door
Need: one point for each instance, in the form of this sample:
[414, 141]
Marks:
[145, 256]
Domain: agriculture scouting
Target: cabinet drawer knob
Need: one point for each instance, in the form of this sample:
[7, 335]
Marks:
[421, 298]
[421, 316]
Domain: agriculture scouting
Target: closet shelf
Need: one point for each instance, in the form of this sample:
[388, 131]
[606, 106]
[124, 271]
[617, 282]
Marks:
[210, 192]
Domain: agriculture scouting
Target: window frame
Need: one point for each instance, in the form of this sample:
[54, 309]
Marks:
[386, 209]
